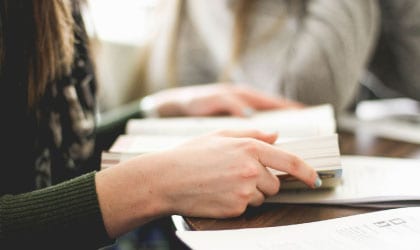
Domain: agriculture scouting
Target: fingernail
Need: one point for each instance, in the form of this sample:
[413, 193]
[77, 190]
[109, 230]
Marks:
[318, 182]
[248, 111]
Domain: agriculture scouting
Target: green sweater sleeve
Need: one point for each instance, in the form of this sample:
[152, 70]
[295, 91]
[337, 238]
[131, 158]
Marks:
[64, 216]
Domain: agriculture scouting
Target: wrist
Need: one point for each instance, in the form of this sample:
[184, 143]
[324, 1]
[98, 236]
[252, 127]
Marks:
[127, 198]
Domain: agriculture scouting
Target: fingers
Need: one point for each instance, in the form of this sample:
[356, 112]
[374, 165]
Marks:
[222, 103]
[291, 104]
[275, 158]
[216, 100]
[256, 134]
[261, 101]
[236, 101]
[267, 182]
[257, 198]
[235, 106]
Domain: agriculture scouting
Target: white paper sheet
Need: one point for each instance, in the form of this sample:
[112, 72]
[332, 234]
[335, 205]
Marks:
[388, 229]
[311, 121]
[365, 180]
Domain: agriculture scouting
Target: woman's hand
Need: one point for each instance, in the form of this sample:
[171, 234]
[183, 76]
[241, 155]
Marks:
[213, 99]
[219, 175]
[216, 175]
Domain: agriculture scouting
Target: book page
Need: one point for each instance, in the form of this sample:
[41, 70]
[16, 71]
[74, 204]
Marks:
[310, 121]
[388, 229]
[365, 180]
[135, 143]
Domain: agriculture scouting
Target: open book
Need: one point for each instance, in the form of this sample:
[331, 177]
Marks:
[320, 152]
[310, 121]
[387, 229]
[308, 133]
[367, 181]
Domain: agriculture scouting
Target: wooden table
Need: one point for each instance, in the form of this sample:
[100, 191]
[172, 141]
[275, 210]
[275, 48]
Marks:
[277, 214]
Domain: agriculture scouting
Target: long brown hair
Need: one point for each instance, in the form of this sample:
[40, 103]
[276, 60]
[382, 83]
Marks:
[46, 41]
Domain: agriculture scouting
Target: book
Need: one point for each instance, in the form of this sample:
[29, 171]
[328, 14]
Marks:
[396, 119]
[308, 121]
[320, 152]
[139, 143]
[381, 182]
[386, 229]
[308, 133]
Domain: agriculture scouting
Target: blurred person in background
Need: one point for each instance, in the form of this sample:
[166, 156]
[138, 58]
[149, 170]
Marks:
[309, 51]
[396, 60]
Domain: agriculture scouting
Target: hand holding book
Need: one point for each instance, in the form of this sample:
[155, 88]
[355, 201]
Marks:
[320, 152]
[215, 175]
[308, 133]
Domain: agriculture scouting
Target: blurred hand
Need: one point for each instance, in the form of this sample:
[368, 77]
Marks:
[215, 99]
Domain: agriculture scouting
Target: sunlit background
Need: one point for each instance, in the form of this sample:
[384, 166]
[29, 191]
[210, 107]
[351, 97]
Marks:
[120, 30]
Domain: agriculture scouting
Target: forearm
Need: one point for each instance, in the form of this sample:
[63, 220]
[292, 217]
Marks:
[330, 51]
[128, 194]
[197, 178]
[61, 216]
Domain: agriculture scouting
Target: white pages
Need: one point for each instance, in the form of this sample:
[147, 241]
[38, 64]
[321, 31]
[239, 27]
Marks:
[320, 152]
[396, 118]
[366, 181]
[136, 143]
[387, 229]
[310, 121]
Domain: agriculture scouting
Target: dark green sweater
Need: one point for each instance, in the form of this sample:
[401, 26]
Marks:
[46, 150]
[64, 216]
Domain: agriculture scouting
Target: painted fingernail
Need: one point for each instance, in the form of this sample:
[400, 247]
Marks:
[318, 182]
[248, 111]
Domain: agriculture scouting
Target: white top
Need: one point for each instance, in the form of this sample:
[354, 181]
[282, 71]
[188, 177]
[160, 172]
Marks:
[315, 54]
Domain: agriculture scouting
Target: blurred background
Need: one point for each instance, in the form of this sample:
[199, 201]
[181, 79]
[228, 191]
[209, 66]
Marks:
[120, 30]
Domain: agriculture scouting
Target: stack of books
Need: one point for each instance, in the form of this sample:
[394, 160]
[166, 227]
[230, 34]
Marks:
[310, 121]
